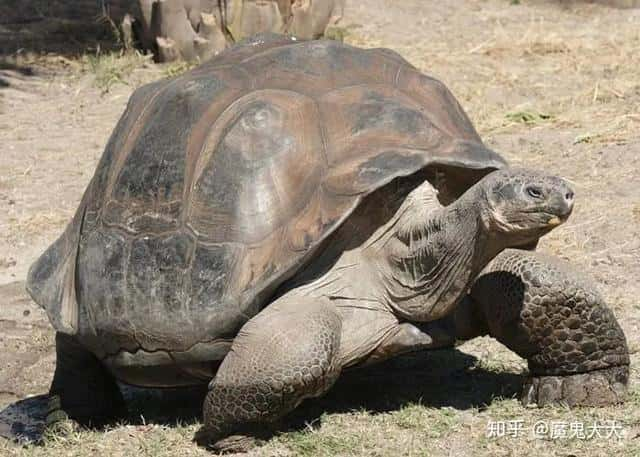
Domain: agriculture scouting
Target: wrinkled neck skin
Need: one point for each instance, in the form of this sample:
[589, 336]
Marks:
[428, 255]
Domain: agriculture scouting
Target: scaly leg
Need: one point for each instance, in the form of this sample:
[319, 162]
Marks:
[82, 388]
[286, 353]
[549, 314]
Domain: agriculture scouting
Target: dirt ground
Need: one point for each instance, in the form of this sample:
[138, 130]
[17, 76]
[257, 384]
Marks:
[552, 85]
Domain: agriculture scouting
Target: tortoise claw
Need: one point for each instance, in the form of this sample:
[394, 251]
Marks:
[235, 444]
[603, 387]
[57, 422]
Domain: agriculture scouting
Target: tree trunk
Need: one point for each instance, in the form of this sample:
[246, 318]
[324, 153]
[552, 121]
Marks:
[171, 28]
[199, 29]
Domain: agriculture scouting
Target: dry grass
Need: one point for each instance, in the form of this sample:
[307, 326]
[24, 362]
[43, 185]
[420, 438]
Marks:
[401, 408]
[588, 55]
[177, 68]
[32, 224]
[113, 67]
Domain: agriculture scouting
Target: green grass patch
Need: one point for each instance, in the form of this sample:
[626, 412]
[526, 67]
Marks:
[111, 68]
[339, 33]
[529, 117]
[174, 69]
[311, 443]
[584, 138]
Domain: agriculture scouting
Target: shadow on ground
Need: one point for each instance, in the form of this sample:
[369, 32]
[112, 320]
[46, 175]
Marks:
[7, 67]
[434, 379]
[63, 27]
[30, 29]
[439, 378]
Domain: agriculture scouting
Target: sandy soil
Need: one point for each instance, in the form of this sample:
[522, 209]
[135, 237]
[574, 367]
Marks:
[551, 85]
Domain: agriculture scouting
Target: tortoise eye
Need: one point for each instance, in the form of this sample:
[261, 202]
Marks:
[534, 192]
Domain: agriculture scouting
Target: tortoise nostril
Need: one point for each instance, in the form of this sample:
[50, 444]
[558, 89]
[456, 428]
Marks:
[568, 202]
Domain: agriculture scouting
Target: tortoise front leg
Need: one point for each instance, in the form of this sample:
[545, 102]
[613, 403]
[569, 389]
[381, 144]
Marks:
[549, 314]
[286, 353]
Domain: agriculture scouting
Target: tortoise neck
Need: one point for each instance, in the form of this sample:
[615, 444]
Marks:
[432, 257]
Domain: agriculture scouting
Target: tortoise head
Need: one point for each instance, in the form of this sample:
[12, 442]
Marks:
[523, 204]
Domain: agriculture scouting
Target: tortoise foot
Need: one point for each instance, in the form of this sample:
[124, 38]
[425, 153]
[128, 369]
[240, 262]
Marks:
[244, 441]
[57, 422]
[235, 444]
[603, 387]
[82, 388]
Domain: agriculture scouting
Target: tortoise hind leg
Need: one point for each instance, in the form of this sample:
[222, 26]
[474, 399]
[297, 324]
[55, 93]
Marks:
[82, 388]
[549, 314]
[285, 354]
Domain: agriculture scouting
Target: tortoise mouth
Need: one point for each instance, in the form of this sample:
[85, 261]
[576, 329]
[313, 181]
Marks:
[556, 219]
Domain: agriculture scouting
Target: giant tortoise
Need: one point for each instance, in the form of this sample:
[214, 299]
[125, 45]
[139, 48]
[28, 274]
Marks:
[290, 209]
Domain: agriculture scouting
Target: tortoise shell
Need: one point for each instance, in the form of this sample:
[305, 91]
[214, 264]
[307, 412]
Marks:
[218, 185]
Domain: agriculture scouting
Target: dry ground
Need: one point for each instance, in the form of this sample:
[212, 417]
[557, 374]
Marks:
[552, 85]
